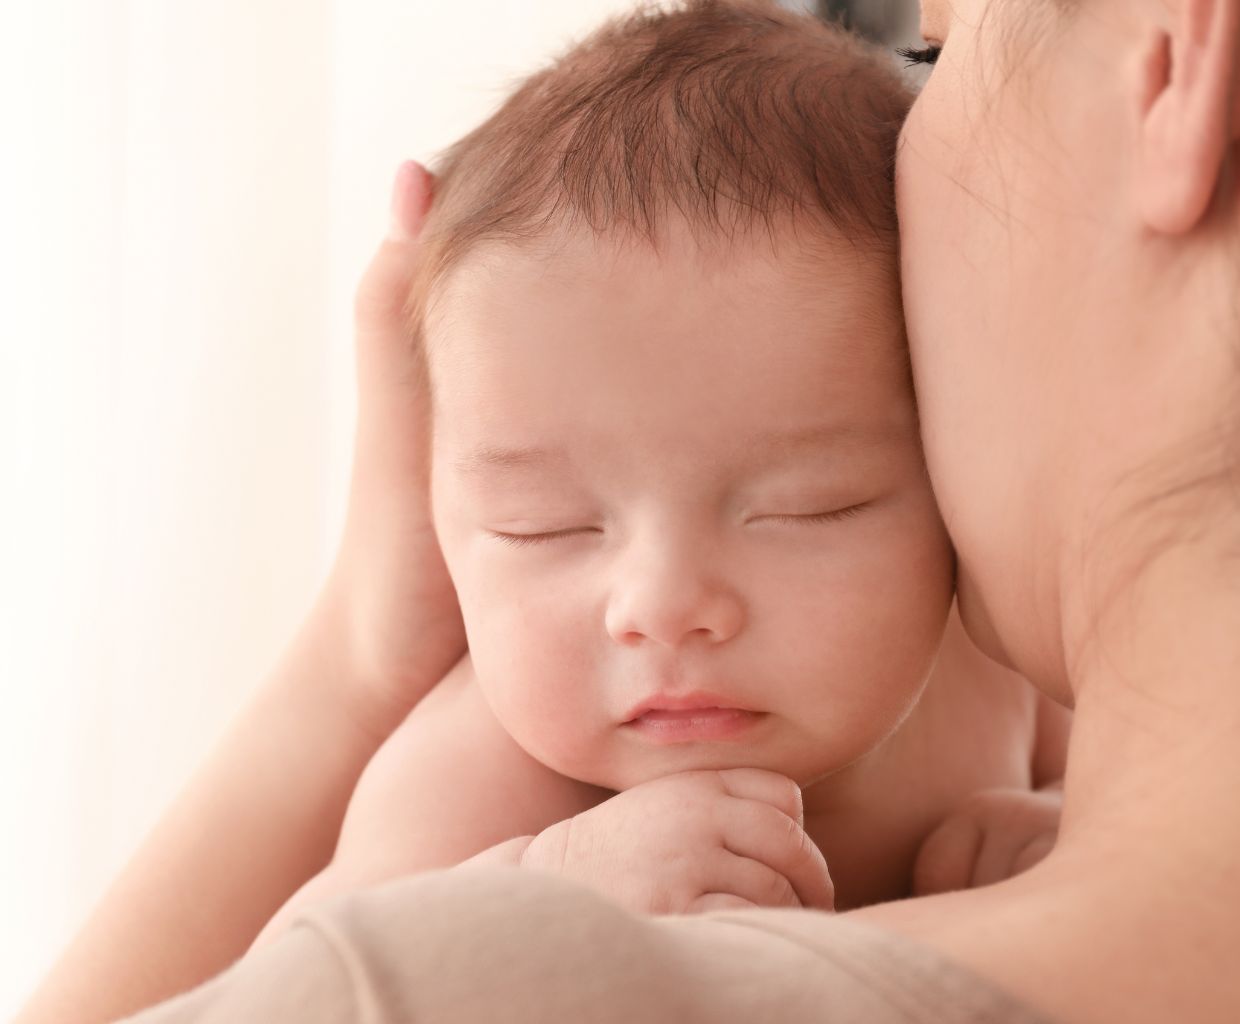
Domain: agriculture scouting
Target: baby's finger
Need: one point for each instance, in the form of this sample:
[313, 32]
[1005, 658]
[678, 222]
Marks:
[947, 858]
[762, 833]
[749, 880]
[1035, 850]
[769, 787]
[1004, 856]
[709, 901]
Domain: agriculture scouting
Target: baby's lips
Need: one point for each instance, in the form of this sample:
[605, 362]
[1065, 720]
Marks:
[698, 700]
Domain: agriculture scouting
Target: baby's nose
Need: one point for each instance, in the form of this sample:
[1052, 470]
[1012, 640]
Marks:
[671, 603]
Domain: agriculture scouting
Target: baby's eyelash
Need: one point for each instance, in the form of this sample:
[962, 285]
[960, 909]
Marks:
[521, 540]
[914, 55]
[833, 516]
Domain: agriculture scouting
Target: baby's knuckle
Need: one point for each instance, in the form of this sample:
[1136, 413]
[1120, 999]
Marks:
[791, 795]
[779, 892]
[992, 805]
[549, 850]
[794, 836]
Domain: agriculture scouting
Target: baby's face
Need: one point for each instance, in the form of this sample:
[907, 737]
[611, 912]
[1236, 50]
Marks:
[683, 502]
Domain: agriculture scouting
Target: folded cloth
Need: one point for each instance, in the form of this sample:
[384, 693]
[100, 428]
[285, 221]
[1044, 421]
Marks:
[500, 945]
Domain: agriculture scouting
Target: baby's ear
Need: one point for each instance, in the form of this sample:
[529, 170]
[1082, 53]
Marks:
[1188, 109]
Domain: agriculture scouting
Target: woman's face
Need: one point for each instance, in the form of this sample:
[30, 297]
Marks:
[1007, 176]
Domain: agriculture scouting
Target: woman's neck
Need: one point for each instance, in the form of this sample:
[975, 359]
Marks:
[1154, 765]
[1144, 881]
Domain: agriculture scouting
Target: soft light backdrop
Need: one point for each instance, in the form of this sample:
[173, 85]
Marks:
[188, 194]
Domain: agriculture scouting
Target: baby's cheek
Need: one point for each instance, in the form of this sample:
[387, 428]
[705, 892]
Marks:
[539, 682]
[869, 627]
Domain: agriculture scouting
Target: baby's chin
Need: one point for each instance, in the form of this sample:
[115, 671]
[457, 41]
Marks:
[627, 769]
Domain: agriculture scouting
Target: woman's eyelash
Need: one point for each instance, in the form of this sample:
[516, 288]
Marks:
[914, 55]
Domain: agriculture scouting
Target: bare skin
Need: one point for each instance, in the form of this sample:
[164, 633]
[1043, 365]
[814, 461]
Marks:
[618, 537]
[1132, 916]
[192, 899]
[1102, 562]
[420, 805]
[129, 956]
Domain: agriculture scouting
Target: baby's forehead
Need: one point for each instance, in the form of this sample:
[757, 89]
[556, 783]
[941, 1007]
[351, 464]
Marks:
[677, 345]
[790, 271]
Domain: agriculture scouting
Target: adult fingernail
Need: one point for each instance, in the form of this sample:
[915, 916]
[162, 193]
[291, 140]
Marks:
[402, 227]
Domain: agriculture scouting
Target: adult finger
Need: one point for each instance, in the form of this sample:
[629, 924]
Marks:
[769, 787]
[761, 832]
[391, 415]
[382, 290]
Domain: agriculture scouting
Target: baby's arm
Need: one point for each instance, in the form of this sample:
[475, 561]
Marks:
[998, 833]
[449, 783]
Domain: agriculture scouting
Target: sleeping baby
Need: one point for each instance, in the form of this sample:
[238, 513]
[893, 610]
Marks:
[678, 481]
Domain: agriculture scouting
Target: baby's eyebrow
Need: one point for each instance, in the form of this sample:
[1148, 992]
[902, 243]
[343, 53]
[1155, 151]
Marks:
[769, 444]
[831, 435]
[498, 457]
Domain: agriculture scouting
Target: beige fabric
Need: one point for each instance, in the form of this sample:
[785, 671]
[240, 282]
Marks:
[501, 945]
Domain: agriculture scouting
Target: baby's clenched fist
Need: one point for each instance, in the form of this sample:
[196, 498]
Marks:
[691, 842]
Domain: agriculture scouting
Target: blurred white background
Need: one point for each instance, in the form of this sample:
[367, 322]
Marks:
[188, 194]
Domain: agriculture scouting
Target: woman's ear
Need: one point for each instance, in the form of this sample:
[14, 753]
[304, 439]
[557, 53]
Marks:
[1189, 111]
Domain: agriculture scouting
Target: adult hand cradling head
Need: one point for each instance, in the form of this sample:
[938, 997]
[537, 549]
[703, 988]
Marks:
[1069, 214]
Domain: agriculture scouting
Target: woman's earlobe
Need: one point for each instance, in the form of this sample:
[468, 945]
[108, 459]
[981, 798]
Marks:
[1187, 109]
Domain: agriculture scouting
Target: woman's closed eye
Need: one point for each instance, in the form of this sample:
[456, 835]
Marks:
[915, 55]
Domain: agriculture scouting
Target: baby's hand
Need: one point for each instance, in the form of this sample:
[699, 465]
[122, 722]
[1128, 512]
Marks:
[696, 841]
[992, 836]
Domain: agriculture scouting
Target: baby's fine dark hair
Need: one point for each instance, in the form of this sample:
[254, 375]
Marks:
[727, 115]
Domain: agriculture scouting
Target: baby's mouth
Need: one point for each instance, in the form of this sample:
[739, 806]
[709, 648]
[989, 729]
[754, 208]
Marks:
[690, 719]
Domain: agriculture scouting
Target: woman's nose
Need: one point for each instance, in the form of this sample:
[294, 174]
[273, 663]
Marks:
[670, 601]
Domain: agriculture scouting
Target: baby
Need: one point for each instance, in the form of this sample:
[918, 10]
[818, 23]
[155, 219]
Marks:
[677, 476]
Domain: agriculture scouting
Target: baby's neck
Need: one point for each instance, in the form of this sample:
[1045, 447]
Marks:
[870, 842]
[870, 818]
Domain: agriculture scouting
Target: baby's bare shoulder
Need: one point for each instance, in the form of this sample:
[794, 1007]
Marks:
[976, 724]
[448, 783]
